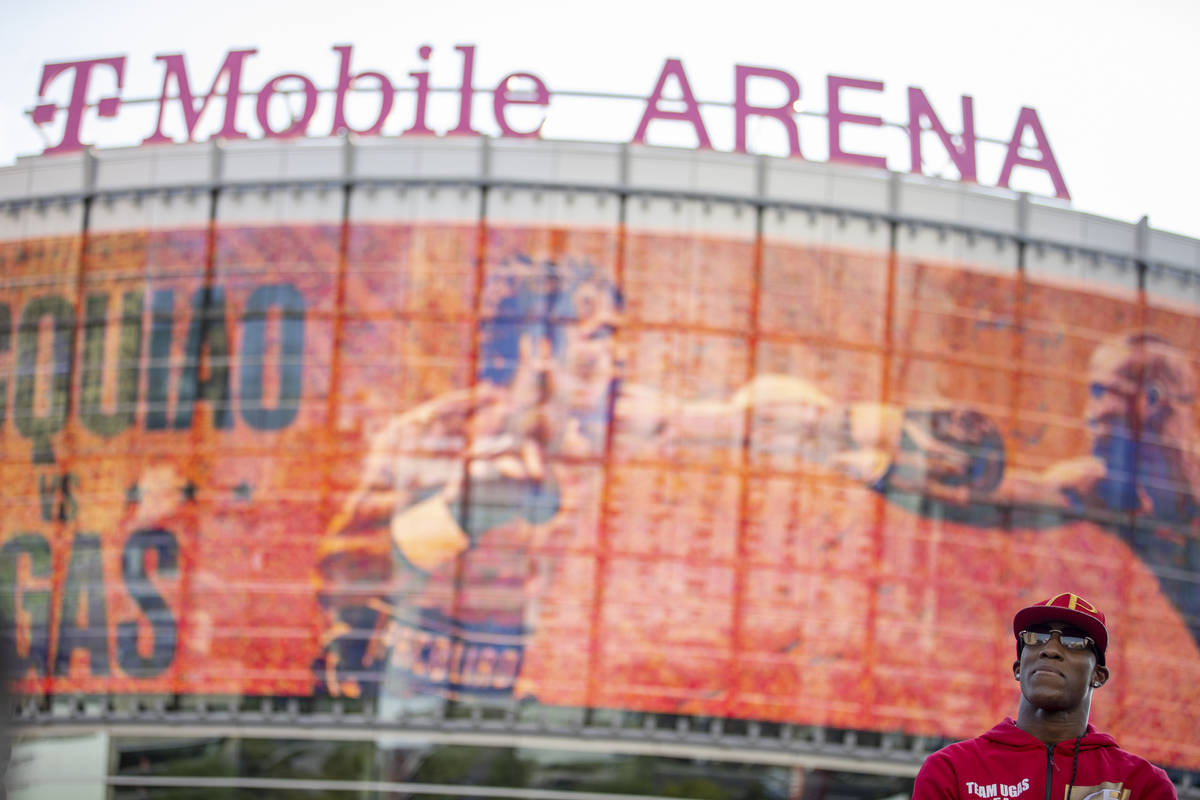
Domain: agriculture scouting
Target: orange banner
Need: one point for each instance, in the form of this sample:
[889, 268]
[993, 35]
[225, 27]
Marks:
[699, 475]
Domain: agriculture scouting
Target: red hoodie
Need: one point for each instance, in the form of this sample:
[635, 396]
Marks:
[1007, 762]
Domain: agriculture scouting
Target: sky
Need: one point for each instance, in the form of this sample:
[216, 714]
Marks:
[1113, 85]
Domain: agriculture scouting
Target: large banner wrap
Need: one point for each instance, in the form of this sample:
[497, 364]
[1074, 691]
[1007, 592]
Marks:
[710, 471]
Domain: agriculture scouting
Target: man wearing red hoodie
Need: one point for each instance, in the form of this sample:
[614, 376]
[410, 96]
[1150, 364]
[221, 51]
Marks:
[1050, 752]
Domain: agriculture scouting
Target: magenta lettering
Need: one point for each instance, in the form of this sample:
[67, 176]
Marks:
[231, 70]
[1028, 118]
[387, 96]
[775, 92]
[466, 94]
[107, 107]
[691, 112]
[504, 95]
[963, 155]
[743, 110]
[837, 118]
[298, 127]
[422, 77]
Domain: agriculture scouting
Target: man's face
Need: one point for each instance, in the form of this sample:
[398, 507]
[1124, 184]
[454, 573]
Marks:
[587, 363]
[1053, 677]
[1140, 417]
[1139, 389]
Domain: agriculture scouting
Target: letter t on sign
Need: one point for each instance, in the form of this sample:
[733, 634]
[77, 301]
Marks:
[107, 107]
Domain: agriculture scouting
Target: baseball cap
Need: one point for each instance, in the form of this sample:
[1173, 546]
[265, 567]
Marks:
[1069, 608]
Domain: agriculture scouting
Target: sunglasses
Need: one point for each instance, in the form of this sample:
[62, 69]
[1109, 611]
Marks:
[1070, 641]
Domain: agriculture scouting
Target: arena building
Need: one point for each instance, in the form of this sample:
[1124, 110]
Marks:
[477, 467]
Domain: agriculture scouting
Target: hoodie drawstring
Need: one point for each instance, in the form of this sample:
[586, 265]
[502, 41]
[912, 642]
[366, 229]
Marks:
[1074, 767]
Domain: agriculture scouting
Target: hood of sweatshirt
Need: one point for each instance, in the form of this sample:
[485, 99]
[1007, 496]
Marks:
[1006, 763]
[1008, 734]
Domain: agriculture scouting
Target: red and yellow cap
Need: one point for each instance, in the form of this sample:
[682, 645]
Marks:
[1069, 608]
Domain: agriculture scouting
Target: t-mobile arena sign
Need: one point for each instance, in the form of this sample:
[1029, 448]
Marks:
[520, 106]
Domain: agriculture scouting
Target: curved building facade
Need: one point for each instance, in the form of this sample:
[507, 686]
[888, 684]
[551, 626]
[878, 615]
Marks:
[559, 469]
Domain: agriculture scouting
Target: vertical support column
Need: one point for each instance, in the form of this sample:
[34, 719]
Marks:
[1001, 691]
[1014, 399]
[481, 251]
[744, 466]
[66, 450]
[879, 503]
[1142, 250]
[333, 399]
[87, 199]
[1135, 516]
[331, 443]
[216, 176]
[603, 552]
